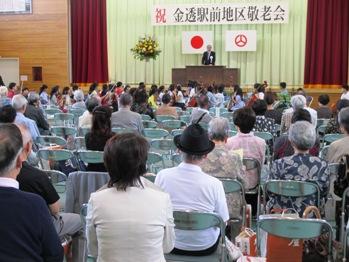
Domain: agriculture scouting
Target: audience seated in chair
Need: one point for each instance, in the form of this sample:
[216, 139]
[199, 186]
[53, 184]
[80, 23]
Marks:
[85, 121]
[4, 100]
[36, 181]
[79, 100]
[34, 112]
[7, 114]
[263, 124]
[125, 118]
[201, 114]
[283, 146]
[301, 167]
[100, 133]
[340, 148]
[165, 108]
[324, 111]
[19, 103]
[26, 229]
[131, 219]
[192, 189]
[140, 104]
[251, 145]
[297, 102]
[272, 113]
[224, 163]
[333, 125]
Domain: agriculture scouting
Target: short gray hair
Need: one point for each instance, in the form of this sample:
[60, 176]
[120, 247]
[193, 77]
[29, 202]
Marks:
[18, 102]
[79, 95]
[125, 100]
[298, 102]
[33, 97]
[3, 91]
[302, 135]
[218, 129]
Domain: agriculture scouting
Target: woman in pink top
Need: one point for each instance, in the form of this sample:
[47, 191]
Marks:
[251, 145]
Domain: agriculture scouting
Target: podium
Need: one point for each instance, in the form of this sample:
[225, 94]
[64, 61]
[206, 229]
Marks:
[206, 75]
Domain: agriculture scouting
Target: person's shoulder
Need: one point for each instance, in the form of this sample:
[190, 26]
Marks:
[33, 200]
[31, 172]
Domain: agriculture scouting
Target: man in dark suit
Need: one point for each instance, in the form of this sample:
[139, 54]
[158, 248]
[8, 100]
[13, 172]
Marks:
[209, 56]
[26, 229]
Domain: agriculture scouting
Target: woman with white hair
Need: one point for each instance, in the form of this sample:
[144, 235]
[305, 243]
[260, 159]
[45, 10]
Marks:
[297, 102]
[222, 162]
[301, 167]
[79, 100]
[4, 100]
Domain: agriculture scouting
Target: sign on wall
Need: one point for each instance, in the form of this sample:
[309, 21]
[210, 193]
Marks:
[227, 13]
[243, 40]
[195, 42]
[15, 6]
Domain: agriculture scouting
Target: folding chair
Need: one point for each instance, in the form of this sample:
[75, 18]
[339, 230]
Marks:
[291, 188]
[166, 148]
[216, 111]
[176, 159]
[58, 180]
[64, 119]
[63, 131]
[323, 152]
[83, 215]
[322, 122]
[155, 133]
[145, 117]
[204, 125]
[52, 111]
[121, 130]
[151, 178]
[44, 141]
[344, 227]
[161, 118]
[186, 220]
[171, 124]
[269, 140]
[250, 165]
[153, 159]
[329, 138]
[77, 112]
[84, 130]
[294, 228]
[227, 115]
[321, 130]
[91, 157]
[176, 132]
[185, 119]
[54, 155]
[234, 186]
[79, 143]
[345, 242]
[149, 124]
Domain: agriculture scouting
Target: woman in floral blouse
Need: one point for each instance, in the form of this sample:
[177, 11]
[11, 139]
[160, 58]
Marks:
[301, 167]
[224, 163]
[263, 124]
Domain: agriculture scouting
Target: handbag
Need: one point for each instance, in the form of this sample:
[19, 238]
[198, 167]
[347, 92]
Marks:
[315, 249]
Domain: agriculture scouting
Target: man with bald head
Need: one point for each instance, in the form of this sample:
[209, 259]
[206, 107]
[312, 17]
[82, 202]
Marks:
[26, 229]
[209, 56]
[36, 181]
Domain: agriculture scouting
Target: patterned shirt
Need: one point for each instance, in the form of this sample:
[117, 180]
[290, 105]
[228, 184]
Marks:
[300, 167]
[252, 147]
[224, 163]
[333, 127]
[264, 124]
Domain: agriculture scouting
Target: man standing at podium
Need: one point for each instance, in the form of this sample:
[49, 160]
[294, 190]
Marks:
[209, 56]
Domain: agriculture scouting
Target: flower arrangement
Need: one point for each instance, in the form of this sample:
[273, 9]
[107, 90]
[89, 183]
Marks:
[146, 48]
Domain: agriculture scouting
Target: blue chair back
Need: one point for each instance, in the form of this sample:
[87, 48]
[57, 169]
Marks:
[43, 141]
[91, 157]
[329, 138]
[146, 117]
[149, 124]
[54, 155]
[63, 131]
[155, 133]
[161, 118]
[171, 124]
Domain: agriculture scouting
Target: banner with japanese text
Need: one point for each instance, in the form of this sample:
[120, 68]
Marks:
[227, 13]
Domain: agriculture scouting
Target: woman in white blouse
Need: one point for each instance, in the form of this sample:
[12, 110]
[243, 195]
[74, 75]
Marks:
[131, 219]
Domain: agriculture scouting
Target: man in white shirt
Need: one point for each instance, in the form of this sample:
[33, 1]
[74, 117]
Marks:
[191, 189]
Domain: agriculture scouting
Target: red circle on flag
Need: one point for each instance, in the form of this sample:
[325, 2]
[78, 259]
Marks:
[197, 42]
[240, 40]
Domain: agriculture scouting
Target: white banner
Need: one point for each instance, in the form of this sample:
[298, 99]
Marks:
[195, 42]
[228, 13]
[243, 40]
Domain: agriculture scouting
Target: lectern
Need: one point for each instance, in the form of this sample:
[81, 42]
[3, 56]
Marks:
[206, 75]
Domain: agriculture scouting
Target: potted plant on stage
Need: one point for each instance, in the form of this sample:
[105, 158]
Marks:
[146, 48]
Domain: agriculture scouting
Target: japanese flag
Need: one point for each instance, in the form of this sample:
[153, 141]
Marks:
[245, 40]
[195, 42]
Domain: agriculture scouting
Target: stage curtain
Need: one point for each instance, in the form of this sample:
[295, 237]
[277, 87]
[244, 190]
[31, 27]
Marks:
[326, 60]
[279, 56]
[89, 41]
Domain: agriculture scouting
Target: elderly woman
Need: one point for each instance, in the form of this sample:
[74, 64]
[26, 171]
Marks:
[297, 102]
[301, 167]
[140, 226]
[224, 163]
[263, 124]
[79, 100]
